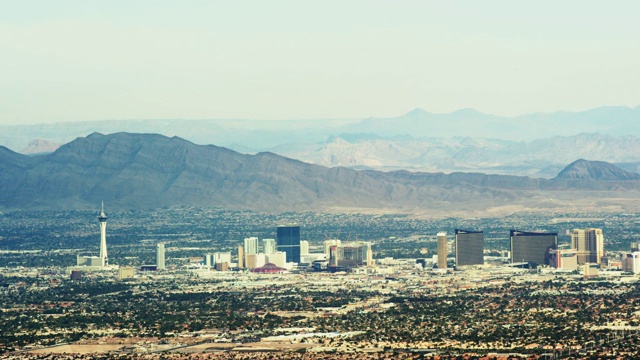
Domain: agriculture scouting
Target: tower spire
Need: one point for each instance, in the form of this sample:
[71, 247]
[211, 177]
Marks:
[103, 236]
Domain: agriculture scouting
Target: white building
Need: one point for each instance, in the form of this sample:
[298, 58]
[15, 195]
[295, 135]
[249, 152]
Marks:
[125, 272]
[268, 246]
[208, 260]
[94, 261]
[309, 258]
[160, 257]
[563, 259]
[255, 260]
[250, 248]
[278, 258]
[304, 247]
[591, 270]
[631, 262]
[221, 257]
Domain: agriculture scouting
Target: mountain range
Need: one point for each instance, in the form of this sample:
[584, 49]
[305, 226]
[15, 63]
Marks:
[539, 158]
[536, 145]
[142, 171]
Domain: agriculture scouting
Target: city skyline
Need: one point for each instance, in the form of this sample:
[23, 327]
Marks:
[387, 277]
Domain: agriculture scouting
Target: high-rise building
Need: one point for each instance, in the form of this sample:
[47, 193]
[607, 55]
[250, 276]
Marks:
[268, 246]
[250, 248]
[469, 247]
[442, 250]
[532, 246]
[251, 245]
[288, 240]
[240, 257]
[103, 237]
[208, 260]
[334, 256]
[351, 255]
[589, 244]
[304, 247]
[328, 244]
[160, 257]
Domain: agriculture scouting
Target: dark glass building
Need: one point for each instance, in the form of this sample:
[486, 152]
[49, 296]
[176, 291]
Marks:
[469, 247]
[532, 246]
[288, 240]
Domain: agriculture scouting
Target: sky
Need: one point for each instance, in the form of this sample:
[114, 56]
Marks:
[66, 61]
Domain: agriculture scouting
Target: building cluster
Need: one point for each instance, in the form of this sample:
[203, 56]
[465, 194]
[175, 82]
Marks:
[275, 255]
[527, 249]
[97, 263]
[263, 256]
[531, 249]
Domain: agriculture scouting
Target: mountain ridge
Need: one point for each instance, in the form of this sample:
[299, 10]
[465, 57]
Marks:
[141, 171]
[582, 169]
[257, 134]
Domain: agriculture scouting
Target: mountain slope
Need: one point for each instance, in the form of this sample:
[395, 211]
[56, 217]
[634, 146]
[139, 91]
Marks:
[595, 171]
[141, 171]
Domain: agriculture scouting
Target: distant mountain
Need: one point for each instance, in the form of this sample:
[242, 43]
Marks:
[259, 135]
[612, 120]
[538, 158]
[595, 171]
[249, 134]
[40, 146]
[141, 171]
[536, 145]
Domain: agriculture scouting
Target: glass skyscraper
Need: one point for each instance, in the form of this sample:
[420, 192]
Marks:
[469, 247]
[288, 239]
[532, 246]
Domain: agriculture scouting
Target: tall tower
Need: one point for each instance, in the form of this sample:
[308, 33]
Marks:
[160, 257]
[103, 237]
[442, 250]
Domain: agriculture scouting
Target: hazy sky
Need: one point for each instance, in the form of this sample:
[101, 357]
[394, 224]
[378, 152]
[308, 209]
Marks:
[90, 60]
